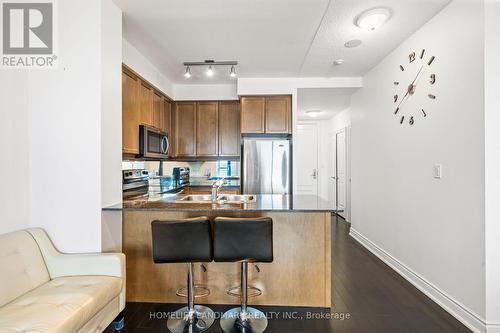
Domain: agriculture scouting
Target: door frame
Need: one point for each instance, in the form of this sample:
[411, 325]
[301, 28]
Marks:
[295, 136]
[347, 210]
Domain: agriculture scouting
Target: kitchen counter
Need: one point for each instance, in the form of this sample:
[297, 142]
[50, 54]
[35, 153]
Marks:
[264, 202]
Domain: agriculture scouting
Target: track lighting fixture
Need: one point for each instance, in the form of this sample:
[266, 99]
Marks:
[210, 71]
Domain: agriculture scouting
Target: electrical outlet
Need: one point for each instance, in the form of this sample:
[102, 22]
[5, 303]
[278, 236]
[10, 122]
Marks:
[438, 171]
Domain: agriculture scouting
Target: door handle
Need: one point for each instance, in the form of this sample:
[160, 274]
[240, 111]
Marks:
[315, 174]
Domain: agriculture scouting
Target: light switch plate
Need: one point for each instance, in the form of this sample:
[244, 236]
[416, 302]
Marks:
[438, 171]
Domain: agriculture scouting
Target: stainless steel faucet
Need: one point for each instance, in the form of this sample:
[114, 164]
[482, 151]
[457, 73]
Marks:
[216, 187]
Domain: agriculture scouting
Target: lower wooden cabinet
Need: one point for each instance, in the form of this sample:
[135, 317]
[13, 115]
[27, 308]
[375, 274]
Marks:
[208, 190]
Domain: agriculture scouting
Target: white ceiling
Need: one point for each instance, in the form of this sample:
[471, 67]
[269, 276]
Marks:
[330, 101]
[269, 38]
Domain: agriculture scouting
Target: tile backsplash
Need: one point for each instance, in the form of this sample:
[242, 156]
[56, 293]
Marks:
[198, 169]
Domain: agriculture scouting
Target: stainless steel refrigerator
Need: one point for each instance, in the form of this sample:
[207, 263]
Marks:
[266, 166]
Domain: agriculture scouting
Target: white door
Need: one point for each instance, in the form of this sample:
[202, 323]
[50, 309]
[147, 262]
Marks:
[306, 159]
[341, 167]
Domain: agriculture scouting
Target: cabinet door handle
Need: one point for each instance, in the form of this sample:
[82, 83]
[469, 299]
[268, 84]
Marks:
[315, 174]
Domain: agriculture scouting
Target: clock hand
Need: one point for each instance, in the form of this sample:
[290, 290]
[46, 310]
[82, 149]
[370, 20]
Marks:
[418, 75]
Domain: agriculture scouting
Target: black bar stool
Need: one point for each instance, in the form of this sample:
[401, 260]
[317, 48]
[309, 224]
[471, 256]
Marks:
[188, 241]
[243, 240]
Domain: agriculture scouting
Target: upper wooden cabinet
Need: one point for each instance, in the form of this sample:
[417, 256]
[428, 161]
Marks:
[157, 112]
[146, 106]
[278, 114]
[207, 128]
[266, 114]
[253, 114]
[229, 128]
[141, 104]
[185, 129]
[131, 115]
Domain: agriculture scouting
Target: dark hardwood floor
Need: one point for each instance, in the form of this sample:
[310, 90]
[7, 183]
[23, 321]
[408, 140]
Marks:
[368, 296]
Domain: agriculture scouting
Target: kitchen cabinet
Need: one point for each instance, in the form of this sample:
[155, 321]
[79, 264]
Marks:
[253, 114]
[185, 129]
[166, 124]
[157, 112]
[266, 114]
[142, 103]
[146, 104]
[205, 190]
[207, 128]
[131, 116]
[229, 128]
[278, 114]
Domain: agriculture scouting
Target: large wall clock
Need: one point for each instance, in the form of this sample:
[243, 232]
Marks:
[416, 78]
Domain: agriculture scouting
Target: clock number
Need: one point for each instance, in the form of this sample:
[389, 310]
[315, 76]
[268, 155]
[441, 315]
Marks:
[423, 112]
[396, 83]
[412, 121]
[431, 96]
[395, 98]
[402, 119]
[401, 68]
[397, 110]
[412, 57]
[433, 78]
[422, 54]
[431, 60]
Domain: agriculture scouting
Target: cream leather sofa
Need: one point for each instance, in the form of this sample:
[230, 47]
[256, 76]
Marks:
[43, 290]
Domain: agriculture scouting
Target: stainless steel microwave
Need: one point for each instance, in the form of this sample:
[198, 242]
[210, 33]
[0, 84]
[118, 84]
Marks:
[153, 143]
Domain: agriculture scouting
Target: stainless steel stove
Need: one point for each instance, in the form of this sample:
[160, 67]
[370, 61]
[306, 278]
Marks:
[135, 183]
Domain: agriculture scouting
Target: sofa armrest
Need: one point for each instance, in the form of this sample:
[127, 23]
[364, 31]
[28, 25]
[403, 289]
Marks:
[59, 264]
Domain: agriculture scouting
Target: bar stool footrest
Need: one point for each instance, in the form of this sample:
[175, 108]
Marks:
[236, 291]
[199, 291]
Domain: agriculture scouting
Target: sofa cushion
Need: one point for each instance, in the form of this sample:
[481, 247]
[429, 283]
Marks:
[63, 304]
[21, 264]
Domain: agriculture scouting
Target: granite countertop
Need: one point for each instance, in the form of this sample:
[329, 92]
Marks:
[264, 202]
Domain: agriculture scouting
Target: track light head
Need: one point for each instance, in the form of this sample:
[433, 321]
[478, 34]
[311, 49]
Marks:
[210, 71]
[233, 72]
[187, 74]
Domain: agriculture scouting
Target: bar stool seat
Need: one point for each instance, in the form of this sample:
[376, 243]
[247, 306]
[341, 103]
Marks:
[243, 240]
[185, 241]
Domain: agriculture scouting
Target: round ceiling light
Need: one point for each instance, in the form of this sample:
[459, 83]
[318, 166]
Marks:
[373, 18]
[313, 113]
[353, 43]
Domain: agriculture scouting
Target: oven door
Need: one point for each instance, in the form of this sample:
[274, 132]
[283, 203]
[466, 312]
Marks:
[153, 143]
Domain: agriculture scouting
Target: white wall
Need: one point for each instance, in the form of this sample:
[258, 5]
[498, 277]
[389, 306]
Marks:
[140, 64]
[111, 125]
[492, 167]
[58, 117]
[205, 92]
[431, 230]
[14, 160]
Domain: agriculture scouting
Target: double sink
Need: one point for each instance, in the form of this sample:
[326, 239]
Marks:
[221, 199]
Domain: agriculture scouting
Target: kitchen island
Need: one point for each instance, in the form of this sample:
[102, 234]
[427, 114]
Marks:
[300, 274]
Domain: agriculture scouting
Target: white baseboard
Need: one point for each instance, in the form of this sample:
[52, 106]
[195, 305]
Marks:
[455, 308]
